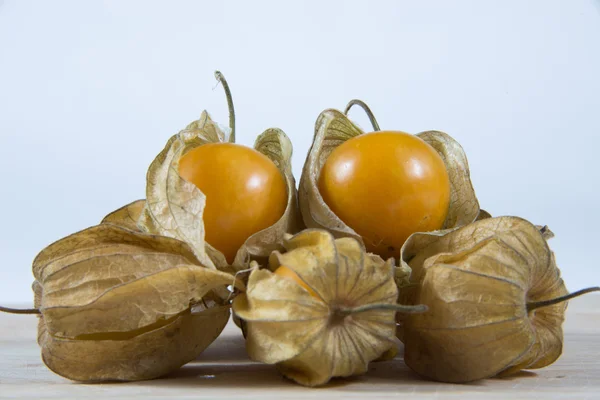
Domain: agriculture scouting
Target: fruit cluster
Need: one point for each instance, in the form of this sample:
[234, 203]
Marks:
[383, 239]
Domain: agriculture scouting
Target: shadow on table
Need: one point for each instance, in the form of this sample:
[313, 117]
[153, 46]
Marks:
[227, 365]
[518, 375]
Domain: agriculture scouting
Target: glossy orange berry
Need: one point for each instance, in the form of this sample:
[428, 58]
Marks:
[287, 273]
[386, 185]
[245, 192]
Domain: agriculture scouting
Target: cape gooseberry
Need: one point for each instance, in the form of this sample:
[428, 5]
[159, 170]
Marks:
[245, 192]
[386, 185]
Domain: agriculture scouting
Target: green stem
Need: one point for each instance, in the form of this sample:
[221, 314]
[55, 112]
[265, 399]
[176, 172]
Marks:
[367, 110]
[19, 311]
[545, 303]
[421, 308]
[223, 81]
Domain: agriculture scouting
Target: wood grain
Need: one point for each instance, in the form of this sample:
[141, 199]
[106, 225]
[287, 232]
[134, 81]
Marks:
[224, 371]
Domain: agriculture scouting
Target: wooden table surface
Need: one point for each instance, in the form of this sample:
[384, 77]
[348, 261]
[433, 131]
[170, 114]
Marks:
[224, 371]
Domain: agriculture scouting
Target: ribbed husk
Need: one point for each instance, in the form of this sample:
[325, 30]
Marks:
[477, 281]
[544, 229]
[332, 129]
[314, 338]
[174, 206]
[117, 304]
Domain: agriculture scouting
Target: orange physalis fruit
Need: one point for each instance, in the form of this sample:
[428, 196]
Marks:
[245, 192]
[386, 185]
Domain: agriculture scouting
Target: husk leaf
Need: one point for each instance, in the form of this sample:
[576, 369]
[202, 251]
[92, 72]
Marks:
[314, 338]
[477, 281]
[126, 216]
[332, 129]
[274, 144]
[118, 304]
[544, 229]
[147, 356]
[483, 214]
[174, 206]
[464, 207]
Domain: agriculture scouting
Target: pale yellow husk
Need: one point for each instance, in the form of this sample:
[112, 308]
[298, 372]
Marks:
[119, 304]
[477, 281]
[174, 206]
[312, 339]
[334, 128]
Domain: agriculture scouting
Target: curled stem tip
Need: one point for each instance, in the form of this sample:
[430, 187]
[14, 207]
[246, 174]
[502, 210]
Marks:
[219, 76]
[236, 285]
[367, 110]
[19, 311]
[544, 303]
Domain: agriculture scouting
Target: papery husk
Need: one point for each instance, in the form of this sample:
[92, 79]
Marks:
[332, 129]
[148, 356]
[116, 304]
[477, 282]
[544, 229]
[483, 215]
[127, 216]
[174, 206]
[312, 339]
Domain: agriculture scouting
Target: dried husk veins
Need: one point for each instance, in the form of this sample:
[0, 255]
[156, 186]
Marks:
[477, 282]
[150, 355]
[544, 229]
[116, 304]
[174, 206]
[332, 129]
[312, 339]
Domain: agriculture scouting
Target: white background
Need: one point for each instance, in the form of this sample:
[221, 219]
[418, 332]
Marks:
[90, 91]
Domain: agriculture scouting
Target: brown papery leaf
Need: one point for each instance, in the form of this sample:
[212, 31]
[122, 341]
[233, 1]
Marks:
[544, 229]
[149, 355]
[334, 128]
[274, 144]
[117, 304]
[481, 283]
[335, 318]
[126, 216]
[483, 215]
[174, 206]
[464, 207]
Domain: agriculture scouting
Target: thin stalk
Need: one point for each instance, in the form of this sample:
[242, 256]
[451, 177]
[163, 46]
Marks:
[545, 303]
[367, 110]
[223, 82]
[421, 308]
[20, 310]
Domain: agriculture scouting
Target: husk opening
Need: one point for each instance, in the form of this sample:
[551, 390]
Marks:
[174, 206]
[332, 129]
